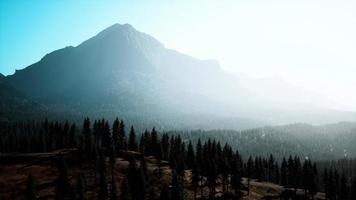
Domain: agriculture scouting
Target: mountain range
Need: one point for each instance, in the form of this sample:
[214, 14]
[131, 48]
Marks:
[126, 73]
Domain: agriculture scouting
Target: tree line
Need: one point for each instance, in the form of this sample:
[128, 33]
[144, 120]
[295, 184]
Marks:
[211, 164]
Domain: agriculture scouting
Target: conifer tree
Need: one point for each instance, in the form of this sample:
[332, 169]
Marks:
[177, 193]
[249, 173]
[125, 193]
[30, 190]
[164, 193]
[132, 146]
[236, 177]
[143, 166]
[154, 142]
[343, 192]
[190, 156]
[136, 181]
[113, 191]
[72, 141]
[195, 179]
[284, 172]
[353, 188]
[103, 185]
[80, 188]
[116, 134]
[122, 138]
[64, 189]
[87, 135]
[106, 136]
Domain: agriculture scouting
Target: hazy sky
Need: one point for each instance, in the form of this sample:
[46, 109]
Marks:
[309, 43]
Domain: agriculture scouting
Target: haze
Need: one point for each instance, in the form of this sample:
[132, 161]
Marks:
[310, 44]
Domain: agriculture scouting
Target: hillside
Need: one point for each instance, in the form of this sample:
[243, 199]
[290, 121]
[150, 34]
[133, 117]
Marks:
[15, 172]
[333, 141]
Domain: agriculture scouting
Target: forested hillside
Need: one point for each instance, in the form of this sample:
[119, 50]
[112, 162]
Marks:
[332, 141]
[206, 169]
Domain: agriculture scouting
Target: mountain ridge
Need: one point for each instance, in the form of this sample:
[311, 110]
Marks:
[125, 72]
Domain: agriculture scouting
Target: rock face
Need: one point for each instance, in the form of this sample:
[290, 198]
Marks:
[127, 73]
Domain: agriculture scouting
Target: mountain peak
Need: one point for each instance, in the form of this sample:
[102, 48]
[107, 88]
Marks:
[118, 26]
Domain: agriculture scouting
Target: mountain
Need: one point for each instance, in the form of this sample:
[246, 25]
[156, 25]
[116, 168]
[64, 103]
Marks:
[127, 73]
[14, 105]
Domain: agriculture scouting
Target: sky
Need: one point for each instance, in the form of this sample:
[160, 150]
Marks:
[309, 43]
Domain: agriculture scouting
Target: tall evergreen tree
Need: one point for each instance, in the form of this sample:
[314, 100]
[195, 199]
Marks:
[64, 190]
[249, 169]
[195, 179]
[116, 134]
[177, 192]
[125, 192]
[132, 146]
[164, 193]
[30, 189]
[190, 156]
[343, 192]
[103, 184]
[80, 188]
[236, 172]
[122, 138]
[284, 173]
[113, 191]
[136, 181]
[87, 135]
[353, 188]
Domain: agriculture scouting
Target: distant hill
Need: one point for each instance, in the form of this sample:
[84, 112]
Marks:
[127, 73]
[332, 141]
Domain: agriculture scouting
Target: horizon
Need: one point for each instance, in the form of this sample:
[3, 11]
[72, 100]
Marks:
[313, 50]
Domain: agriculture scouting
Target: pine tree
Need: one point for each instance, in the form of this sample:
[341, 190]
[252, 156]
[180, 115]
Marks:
[122, 138]
[326, 181]
[136, 181]
[72, 141]
[132, 146]
[151, 195]
[236, 172]
[30, 190]
[249, 173]
[64, 189]
[116, 134]
[353, 188]
[190, 156]
[143, 166]
[164, 193]
[87, 135]
[154, 142]
[343, 192]
[177, 193]
[284, 172]
[195, 179]
[106, 136]
[200, 163]
[103, 185]
[113, 191]
[291, 172]
[80, 188]
[125, 193]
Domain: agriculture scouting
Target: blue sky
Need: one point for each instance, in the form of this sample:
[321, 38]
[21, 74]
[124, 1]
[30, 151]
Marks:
[30, 29]
[311, 44]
